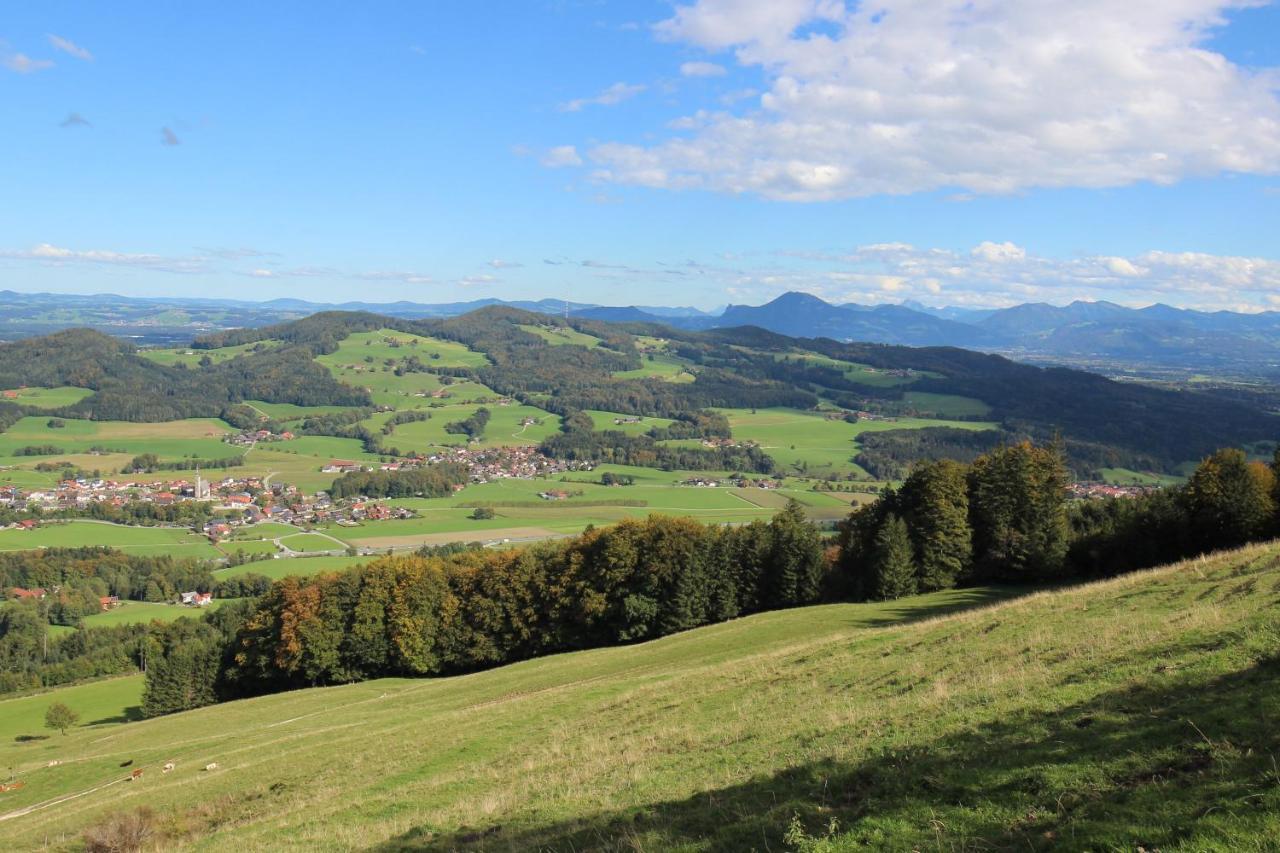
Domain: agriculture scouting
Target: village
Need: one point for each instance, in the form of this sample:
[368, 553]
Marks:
[233, 502]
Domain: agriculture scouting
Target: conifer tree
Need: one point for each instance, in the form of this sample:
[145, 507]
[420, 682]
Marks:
[935, 502]
[894, 566]
[1017, 508]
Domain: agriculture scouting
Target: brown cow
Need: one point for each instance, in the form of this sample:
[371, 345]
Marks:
[137, 774]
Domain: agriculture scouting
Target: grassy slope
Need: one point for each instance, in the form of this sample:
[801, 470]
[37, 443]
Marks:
[1139, 711]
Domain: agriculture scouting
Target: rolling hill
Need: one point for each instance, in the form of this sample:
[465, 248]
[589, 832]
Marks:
[1135, 712]
[1156, 338]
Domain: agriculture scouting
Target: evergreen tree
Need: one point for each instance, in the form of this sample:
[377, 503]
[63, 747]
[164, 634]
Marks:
[1017, 509]
[894, 566]
[935, 500]
[798, 565]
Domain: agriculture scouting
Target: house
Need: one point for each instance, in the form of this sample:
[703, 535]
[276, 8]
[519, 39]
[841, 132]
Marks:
[33, 594]
[553, 495]
[197, 599]
[108, 602]
[11, 395]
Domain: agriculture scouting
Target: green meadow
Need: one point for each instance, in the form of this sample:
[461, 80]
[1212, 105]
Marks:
[103, 705]
[660, 366]
[1135, 712]
[810, 443]
[172, 356]
[48, 398]
[143, 541]
[605, 421]
[367, 359]
[142, 612]
[562, 336]
[199, 437]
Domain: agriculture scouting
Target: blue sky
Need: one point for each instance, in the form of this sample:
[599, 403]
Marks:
[691, 153]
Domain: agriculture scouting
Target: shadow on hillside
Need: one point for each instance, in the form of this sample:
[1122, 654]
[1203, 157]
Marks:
[906, 611]
[1144, 766]
[131, 714]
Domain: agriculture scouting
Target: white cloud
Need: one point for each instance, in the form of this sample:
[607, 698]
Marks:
[23, 64]
[615, 94]
[702, 69]
[70, 47]
[902, 96]
[499, 264]
[562, 155]
[997, 252]
[47, 252]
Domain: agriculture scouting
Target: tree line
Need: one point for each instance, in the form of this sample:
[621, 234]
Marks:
[429, 481]
[1005, 518]
[448, 613]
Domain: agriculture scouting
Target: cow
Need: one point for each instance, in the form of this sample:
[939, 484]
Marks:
[135, 775]
[167, 767]
[211, 766]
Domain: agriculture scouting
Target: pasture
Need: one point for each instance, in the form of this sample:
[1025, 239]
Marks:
[47, 398]
[143, 541]
[171, 440]
[101, 704]
[809, 443]
[143, 612]
[173, 356]
[562, 336]
[974, 718]
[660, 366]
[368, 359]
[605, 421]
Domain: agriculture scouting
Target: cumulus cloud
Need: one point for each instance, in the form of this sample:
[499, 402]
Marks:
[702, 69]
[998, 274]
[69, 47]
[23, 64]
[615, 94]
[903, 96]
[562, 155]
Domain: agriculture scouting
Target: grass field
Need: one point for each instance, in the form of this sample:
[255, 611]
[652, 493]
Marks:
[605, 421]
[141, 612]
[144, 541]
[191, 357]
[562, 336]
[366, 360]
[1126, 477]
[100, 703]
[666, 367]
[49, 398]
[945, 405]
[806, 441]
[1138, 712]
[201, 437]
[860, 373]
[504, 428]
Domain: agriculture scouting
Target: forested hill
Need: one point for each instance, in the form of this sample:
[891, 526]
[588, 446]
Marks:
[132, 388]
[569, 367]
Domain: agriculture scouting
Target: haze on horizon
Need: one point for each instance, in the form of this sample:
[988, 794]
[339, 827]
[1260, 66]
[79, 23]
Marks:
[691, 153]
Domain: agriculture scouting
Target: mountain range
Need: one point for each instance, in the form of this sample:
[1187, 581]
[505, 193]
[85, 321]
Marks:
[1158, 337]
